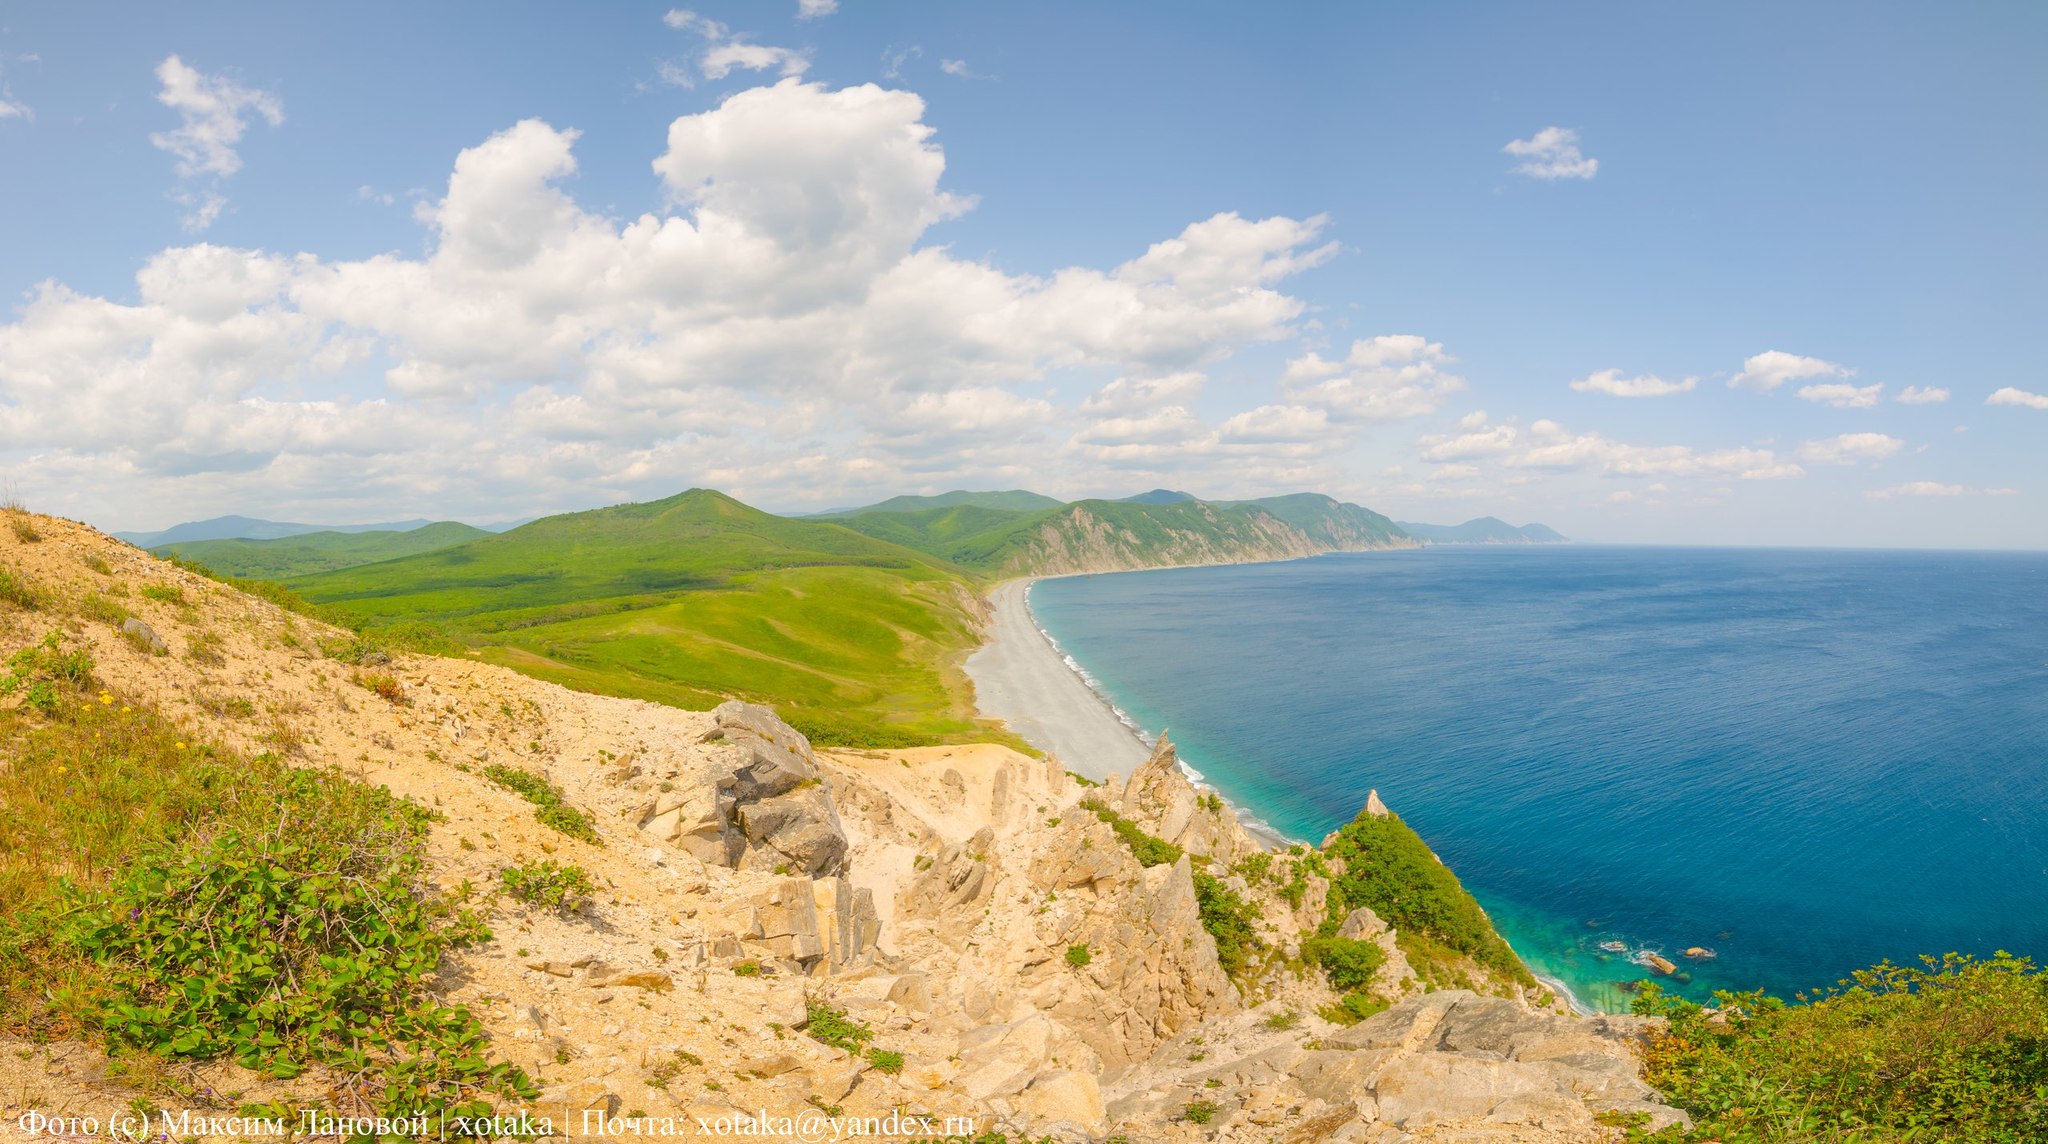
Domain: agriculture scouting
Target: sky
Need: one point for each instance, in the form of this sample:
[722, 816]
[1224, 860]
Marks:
[1651, 273]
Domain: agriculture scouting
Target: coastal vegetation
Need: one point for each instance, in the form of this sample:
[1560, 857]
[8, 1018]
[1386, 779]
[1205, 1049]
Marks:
[1955, 1049]
[1381, 864]
[160, 886]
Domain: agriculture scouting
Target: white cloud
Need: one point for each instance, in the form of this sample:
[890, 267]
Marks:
[1483, 443]
[813, 9]
[1842, 396]
[213, 113]
[782, 326]
[1772, 368]
[1387, 378]
[724, 52]
[12, 108]
[1554, 449]
[959, 70]
[1552, 153]
[1919, 395]
[2007, 395]
[1850, 448]
[1935, 489]
[1610, 382]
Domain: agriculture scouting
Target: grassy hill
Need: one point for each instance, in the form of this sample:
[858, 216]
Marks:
[310, 552]
[693, 598]
[1483, 530]
[1014, 500]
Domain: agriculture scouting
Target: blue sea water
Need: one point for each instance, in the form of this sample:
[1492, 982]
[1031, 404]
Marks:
[1806, 761]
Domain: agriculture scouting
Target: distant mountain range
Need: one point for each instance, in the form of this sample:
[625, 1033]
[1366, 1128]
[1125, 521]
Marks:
[251, 528]
[1484, 530]
[309, 552]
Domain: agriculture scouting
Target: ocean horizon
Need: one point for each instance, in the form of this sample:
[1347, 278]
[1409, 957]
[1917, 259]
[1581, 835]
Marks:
[1802, 760]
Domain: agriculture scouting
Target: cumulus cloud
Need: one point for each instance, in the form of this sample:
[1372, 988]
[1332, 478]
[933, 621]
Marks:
[782, 323]
[1611, 383]
[2007, 395]
[1772, 368]
[1922, 395]
[813, 9]
[1553, 448]
[12, 108]
[1387, 378]
[1842, 396]
[1850, 449]
[213, 113]
[1552, 153]
[1935, 489]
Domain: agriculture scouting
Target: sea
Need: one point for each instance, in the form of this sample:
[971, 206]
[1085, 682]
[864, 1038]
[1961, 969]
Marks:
[1802, 761]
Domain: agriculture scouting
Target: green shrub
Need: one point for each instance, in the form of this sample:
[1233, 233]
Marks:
[548, 883]
[212, 906]
[1078, 956]
[1390, 869]
[833, 1027]
[747, 968]
[1148, 850]
[1956, 1050]
[164, 593]
[45, 673]
[1349, 964]
[1352, 1008]
[885, 1061]
[549, 809]
[1230, 920]
[1282, 1021]
[1199, 1112]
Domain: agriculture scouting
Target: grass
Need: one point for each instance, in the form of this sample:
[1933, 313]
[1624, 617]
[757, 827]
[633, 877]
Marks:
[1953, 1050]
[692, 600]
[313, 552]
[171, 900]
[549, 809]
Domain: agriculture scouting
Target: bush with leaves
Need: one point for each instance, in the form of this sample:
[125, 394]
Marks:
[548, 883]
[1954, 1050]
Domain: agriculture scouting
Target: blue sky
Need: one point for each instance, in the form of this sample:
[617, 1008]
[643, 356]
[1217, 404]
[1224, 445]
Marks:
[485, 261]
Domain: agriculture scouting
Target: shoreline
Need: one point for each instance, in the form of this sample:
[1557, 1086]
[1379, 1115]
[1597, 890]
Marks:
[1023, 678]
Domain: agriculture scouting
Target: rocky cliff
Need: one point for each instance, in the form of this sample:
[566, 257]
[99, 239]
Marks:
[961, 931]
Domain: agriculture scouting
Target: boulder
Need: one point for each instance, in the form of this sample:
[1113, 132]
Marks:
[145, 635]
[1065, 1095]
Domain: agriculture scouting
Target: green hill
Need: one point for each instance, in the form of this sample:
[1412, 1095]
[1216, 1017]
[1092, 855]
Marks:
[698, 597]
[1013, 500]
[316, 551]
[1104, 535]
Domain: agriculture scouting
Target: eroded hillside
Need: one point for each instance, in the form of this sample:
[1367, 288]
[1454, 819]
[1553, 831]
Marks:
[696, 915]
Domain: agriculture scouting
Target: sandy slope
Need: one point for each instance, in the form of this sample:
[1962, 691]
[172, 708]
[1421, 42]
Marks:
[1020, 679]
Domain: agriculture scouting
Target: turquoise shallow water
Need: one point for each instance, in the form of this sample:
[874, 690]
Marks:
[1806, 761]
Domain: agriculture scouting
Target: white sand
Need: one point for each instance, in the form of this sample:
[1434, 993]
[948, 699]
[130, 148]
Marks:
[1020, 679]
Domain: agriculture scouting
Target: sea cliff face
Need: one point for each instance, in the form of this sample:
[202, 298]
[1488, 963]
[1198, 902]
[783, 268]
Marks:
[1082, 539]
[964, 930]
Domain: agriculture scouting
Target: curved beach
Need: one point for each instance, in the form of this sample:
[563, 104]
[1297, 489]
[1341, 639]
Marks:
[1022, 679]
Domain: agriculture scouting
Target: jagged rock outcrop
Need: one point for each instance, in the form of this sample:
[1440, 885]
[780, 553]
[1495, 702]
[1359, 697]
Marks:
[760, 803]
[1159, 795]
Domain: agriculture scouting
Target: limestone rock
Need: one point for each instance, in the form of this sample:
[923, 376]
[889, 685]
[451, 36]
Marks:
[144, 634]
[1159, 797]
[1065, 1095]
